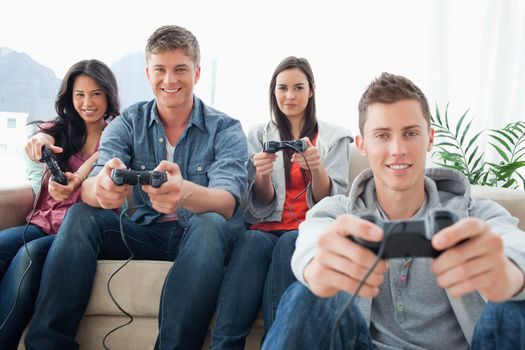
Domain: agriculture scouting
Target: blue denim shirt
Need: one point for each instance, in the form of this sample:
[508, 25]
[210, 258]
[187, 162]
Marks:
[211, 152]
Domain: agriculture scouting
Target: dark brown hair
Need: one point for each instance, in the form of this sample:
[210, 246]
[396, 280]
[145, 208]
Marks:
[309, 125]
[390, 88]
[69, 129]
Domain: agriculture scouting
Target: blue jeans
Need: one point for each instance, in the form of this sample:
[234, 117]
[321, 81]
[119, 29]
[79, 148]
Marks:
[258, 272]
[304, 321]
[190, 290]
[14, 295]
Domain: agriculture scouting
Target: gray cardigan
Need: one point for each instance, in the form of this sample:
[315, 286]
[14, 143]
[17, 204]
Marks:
[333, 143]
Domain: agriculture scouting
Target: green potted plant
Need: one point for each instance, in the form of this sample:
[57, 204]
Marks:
[455, 148]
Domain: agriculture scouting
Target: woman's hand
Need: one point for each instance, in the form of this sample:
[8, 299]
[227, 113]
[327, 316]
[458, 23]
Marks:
[311, 155]
[35, 143]
[62, 192]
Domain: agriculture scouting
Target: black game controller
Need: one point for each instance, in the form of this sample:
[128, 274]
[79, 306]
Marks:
[132, 177]
[56, 174]
[408, 238]
[274, 146]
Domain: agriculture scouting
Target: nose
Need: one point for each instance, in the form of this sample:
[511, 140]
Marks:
[170, 77]
[290, 94]
[87, 100]
[398, 147]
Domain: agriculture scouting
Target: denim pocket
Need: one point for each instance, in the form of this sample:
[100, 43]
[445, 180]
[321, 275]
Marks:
[198, 172]
[143, 165]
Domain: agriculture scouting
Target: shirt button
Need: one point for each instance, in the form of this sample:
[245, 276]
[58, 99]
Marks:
[143, 167]
[400, 307]
[161, 140]
[199, 168]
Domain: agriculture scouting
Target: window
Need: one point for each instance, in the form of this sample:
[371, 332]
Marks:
[11, 123]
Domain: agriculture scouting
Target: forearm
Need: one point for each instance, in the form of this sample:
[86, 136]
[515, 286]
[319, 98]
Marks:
[199, 199]
[263, 191]
[321, 184]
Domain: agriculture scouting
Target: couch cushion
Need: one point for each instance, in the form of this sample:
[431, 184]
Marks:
[137, 287]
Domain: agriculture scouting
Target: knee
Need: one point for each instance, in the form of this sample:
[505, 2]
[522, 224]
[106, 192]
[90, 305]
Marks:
[298, 296]
[285, 246]
[508, 314]
[255, 245]
[80, 226]
[34, 251]
[207, 232]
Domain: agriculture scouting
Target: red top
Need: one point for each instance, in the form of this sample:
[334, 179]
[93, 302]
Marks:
[49, 213]
[299, 206]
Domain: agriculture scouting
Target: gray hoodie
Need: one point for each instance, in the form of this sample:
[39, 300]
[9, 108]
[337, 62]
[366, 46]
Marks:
[333, 143]
[445, 189]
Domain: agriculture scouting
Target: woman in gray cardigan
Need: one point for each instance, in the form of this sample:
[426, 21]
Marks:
[283, 186]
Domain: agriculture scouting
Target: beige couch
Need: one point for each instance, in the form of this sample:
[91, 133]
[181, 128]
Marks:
[137, 287]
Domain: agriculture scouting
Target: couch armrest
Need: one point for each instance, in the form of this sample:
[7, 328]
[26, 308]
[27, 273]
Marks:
[15, 203]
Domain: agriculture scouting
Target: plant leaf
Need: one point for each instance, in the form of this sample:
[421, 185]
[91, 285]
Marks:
[501, 141]
[465, 133]
[501, 153]
[458, 127]
[472, 141]
[504, 134]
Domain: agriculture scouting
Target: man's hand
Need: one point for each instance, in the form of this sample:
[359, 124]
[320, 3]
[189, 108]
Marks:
[35, 143]
[170, 195]
[109, 195]
[474, 260]
[341, 264]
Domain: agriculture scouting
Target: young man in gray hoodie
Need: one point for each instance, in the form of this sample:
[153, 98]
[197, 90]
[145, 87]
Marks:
[470, 296]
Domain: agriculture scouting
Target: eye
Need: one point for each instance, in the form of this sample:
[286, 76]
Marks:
[159, 69]
[79, 94]
[181, 69]
[381, 135]
[411, 133]
[299, 88]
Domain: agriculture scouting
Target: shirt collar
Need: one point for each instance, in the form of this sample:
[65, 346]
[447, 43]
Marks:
[196, 118]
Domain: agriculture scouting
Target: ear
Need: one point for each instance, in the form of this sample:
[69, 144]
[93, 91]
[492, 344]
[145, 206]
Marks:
[147, 72]
[312, 92]
[430, 139]
[360, 144]
[197, 74]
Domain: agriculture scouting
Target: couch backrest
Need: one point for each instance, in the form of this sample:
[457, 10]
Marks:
[512, 200]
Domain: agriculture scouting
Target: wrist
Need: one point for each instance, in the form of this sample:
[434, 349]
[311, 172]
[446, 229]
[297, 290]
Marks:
[80, 179]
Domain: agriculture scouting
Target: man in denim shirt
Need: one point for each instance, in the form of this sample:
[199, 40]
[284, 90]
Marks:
[191, 217]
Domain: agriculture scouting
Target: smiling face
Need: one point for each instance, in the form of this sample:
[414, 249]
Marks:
[89, 100]
[292, 92]
[395, 139]
[172, 75]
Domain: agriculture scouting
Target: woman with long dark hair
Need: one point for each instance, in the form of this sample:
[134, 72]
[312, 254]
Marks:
[282, 187]
[87, 98]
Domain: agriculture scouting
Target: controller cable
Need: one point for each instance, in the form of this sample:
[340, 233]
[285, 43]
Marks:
[132, 255]
[307, 186]
[361, 284]
[26, 250]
